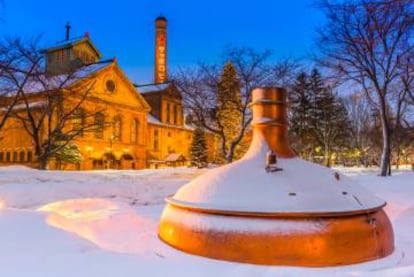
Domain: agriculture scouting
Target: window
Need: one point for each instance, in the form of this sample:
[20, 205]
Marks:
[22, 156]
[68, 53]
[175, 114]
[60, 56]
[134, 131]
[117, 128]
[110, 86]
[1, 156]
[29, 156]
[78, 121]
[8, 157]
[156, 142]
[99, 125]
[14, 156]
[168, 112]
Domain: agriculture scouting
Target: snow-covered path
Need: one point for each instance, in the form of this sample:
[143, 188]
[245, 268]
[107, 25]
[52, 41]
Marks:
[103, 223]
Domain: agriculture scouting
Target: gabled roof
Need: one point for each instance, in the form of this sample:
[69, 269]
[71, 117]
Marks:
[72, 42]
[140, 98]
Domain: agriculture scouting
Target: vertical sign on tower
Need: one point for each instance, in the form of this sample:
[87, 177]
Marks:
[160, 50]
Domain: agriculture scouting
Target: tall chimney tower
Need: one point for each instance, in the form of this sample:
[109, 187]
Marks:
[160, 72]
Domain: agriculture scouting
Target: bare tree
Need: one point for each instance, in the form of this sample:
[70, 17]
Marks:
[359, 113]
[365, 42]
[52, 109]
[12, 78]
[199, 87]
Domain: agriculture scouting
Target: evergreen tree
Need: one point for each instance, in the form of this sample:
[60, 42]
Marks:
[229, 114]
[299, 114]
[319, 119]
[330, 123]
[68, 154]
[198, 149]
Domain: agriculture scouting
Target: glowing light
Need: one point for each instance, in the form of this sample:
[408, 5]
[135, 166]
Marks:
[161, 58]
[2, 205]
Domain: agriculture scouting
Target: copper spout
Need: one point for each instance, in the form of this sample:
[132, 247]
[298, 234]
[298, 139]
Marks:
[270, 119]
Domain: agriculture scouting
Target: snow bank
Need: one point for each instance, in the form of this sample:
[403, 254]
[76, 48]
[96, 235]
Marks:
[124, 240]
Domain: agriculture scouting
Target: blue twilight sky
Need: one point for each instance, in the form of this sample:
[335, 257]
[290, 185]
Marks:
[197, 30]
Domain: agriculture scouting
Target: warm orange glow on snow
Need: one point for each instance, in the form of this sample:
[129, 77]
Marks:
[89, 209]
[110, 226]
[2, 205]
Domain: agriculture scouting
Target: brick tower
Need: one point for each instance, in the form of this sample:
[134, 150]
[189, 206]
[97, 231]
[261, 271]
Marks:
[160, 72]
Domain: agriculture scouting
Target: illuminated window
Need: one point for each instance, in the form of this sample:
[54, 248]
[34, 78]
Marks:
[99, 125]
[156, 140]
[78, 121]
[29, 156]
[14, 156]
[134, 131]
[22, 156]
[117, 128]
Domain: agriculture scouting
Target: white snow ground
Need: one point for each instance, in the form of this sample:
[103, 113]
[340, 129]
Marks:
[104, 223]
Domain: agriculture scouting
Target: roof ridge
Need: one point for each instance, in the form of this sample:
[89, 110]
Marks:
[152, 84]
[70, 40]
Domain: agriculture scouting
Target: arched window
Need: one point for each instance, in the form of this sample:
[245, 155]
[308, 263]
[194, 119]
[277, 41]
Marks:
[117, 128]
[14, 156]
[134, 131]
[29, 156]
[99, 125]
[8, 157]
[22, 156]
[156, 141]
[78, 121]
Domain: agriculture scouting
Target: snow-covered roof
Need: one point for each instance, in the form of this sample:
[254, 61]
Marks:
[43, 82]
[153, 120]
[300, 188]
[174, 157]
[152, 87]
[73, 41]
[35, 104]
